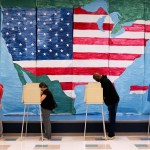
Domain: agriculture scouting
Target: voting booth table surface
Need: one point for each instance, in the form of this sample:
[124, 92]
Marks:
[94, 95]
[31, 95]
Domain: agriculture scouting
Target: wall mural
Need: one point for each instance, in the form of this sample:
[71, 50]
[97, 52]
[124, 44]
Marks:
[63, 43]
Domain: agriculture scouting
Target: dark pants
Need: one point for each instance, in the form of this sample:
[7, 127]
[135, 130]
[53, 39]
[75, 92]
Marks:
[112, 109]
[46, 122]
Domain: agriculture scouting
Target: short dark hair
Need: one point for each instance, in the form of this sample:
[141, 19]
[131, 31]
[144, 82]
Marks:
[42, 85]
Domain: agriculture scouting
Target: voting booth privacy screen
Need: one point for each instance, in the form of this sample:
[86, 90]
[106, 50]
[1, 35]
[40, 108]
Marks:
[31, 93]
[93, 93]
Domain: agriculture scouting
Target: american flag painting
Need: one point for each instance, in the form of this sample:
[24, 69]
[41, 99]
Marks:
[69, 45]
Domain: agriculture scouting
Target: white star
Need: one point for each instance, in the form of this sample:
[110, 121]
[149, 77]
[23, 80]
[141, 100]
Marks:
[25, 49]
[38, 19]
[7, 33]
[56, 34]
[44, 34]
[39, 30]
[44, 23]
[39, 40]
[25, 38]
[20, 53]
[44, 14]
[13, 29]
[13, 39]
[24, 18]
[18, 14]
[44, 45]
[7, 24]
[50, 19]
[50, 50]
[20, 33]
[7, 45]
[39, 50]
[20, 44]
[31, 22]
[67, 24]
[68, 13]
[32, 53]
[44, 54]
[56, 54]
[67, 45]
[55, 14]
[14, 48]
[31, 33]
[12, 18]
[61, 19]
[67, 54]
[50, 40]
[61, 50]
[61, 40]
[7, 14]
[25, 28]
[50, 29]
[32, 44]
[30, 14]
[56, 23]
[19, 22]
[61, 29]
[56, 45]
[67, 34]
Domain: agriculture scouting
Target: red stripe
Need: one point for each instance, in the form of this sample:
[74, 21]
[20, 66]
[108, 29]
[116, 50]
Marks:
[91, 41]
[109, 27]
[91, 26]
[80, 11]
[107, 56]
[76, 71]
[85, 26]
[147, 28]
[137, 87]
[71, 85]
[109, 41]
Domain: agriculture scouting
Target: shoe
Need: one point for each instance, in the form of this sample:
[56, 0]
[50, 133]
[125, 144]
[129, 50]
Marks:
[45, 138]
[108, 138]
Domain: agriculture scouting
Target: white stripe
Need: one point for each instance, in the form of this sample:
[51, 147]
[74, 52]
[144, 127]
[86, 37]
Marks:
[87, 18]
[110, 49]
[142, 22]
[132, 35]
[127, 49]
[91, 33]
[78, 63]
[91, 48]
[77, 78]
[70, 93]
[105, 34]
[147, 35]
[45, 63]
[138, 92]
[120, 63]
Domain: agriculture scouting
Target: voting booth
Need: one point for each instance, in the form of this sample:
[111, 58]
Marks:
[31, 94]
[94, 95]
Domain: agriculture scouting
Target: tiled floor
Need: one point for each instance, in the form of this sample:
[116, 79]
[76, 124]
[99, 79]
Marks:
[138, 142]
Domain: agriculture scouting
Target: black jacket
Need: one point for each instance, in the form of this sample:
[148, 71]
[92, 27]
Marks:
[48, 102]
[109, 92]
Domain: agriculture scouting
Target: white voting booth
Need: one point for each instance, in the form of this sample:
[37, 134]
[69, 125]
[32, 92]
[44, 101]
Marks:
[94, 95]
[31, 95]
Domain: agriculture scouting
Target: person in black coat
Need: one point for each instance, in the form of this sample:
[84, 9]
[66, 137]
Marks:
[47, 105]
[111, 99]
